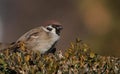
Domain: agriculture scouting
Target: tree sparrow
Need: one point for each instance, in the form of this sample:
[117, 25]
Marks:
[42, 38]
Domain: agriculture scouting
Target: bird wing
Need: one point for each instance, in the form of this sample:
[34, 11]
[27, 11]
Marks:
[31, 34]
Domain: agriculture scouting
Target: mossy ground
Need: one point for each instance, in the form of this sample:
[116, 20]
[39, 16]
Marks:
[78, 59]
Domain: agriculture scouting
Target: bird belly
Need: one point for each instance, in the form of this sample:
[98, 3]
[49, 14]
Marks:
[44, 46]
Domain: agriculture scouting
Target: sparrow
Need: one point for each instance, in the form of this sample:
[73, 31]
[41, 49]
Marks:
[43, 38]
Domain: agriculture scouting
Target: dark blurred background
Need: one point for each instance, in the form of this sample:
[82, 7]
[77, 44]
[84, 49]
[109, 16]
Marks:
[96, 22]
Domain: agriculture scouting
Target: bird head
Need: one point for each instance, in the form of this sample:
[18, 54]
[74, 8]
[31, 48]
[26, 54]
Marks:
[54, 28]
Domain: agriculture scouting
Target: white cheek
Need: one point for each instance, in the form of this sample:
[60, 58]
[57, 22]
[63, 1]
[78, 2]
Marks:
[53, 31]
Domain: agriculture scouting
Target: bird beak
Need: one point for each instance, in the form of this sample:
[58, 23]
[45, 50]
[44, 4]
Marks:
[59, 27]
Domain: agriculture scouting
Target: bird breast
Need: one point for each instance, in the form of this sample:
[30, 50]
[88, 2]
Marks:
[44, 43]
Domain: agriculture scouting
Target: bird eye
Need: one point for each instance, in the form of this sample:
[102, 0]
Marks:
[48, 28]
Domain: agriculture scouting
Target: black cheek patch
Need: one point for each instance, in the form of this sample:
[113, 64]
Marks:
[49, 28]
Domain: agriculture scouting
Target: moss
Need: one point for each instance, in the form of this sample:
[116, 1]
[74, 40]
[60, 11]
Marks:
[77, 59]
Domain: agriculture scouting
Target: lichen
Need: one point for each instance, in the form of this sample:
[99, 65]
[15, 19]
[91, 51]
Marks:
[78, 59]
